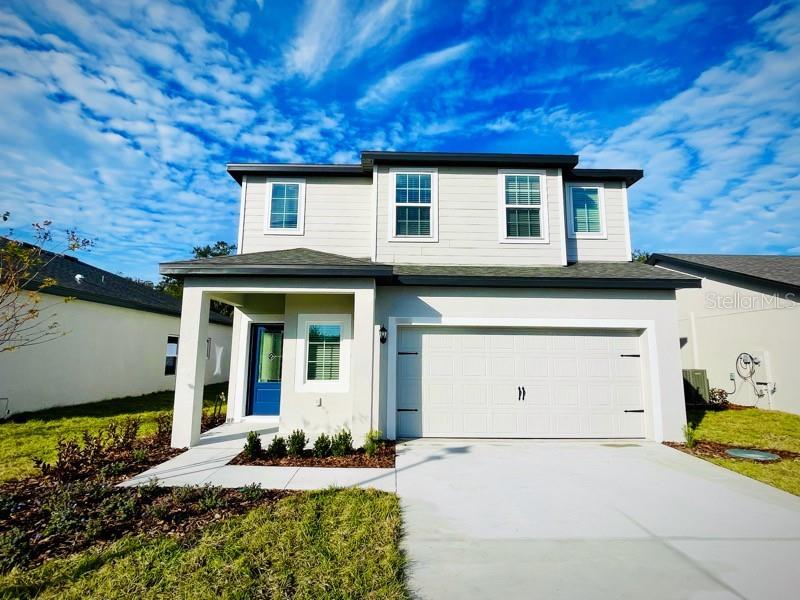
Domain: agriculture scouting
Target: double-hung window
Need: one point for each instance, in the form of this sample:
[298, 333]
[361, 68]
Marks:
[523, 206]
[586, 211]
[285, 206]
[414, 206]
[323, 352]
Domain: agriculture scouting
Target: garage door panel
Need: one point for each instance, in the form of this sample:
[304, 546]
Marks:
[465, 383]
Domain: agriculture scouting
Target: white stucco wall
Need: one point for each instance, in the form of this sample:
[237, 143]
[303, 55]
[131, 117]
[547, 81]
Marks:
[726, 317]
[108, 352]
[364, 405]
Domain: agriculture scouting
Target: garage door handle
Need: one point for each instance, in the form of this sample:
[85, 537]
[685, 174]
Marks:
[407, 409]
[630, 355]
[519, 393]
[637, 410]
[523, 393]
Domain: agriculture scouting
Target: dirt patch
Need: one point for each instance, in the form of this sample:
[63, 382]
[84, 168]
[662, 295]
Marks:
[708, 449]
[383, 459]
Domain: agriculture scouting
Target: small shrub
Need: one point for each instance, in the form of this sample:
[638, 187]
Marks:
[212, 497]
[63, 514]
[158, 510]
[342, 443]
[372, 441]
[252, 447]
[322, 446]
[93, 529]
[185, 493]
[277, 447]
[718, 397]
[690, 434]
[7, 505]
[120, 435]
[15, 549]
[139, 455]
[118, 506]
[252, 492]
[163, 428]
[296, 443]
[113, 469]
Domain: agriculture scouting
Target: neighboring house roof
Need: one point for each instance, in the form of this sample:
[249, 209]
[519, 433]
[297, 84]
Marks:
[81, 280]
[369, 158]
[771, 270]
[302, 262]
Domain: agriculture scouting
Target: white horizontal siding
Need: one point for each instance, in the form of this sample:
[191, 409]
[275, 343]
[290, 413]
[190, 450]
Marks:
[468, 223]
[615, 246]
[338, 217]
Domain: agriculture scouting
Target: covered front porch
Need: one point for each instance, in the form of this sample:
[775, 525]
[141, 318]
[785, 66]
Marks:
[302, 354]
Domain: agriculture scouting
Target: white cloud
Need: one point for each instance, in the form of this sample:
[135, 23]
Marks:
[403, 80]
[641, 73]
[335, 33]
[722, 158]
[14, 27]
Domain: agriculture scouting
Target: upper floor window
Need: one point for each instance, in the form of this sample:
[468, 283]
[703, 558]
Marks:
[586, 211]
[285, 210]
[523, 206]
[413, 196]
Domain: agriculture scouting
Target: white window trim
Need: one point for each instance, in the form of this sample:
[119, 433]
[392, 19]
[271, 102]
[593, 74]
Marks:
[543, 209]
[301, 208]
[392, 216]
[341, 385]
[601, 235]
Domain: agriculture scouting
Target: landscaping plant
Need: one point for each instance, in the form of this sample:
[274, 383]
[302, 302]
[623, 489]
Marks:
[296, 443]
[322, 446]
[372, 442]
[718, 397]
[252, 445]
[277, 447]
[342, 443]
[690, 435]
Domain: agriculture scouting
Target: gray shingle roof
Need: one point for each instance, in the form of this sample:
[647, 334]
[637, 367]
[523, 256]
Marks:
[770, 268]
[305, 262]
[83, 281]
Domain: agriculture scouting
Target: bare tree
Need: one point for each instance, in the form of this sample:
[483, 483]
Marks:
[25, 320]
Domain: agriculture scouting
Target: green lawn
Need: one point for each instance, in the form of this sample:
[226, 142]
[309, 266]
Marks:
[29, 435]
[754, 428]
[326, 544]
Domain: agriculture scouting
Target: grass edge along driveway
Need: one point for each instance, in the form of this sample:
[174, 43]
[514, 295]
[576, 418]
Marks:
[335, 543]
[754, 428]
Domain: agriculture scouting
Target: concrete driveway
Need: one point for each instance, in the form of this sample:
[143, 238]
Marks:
[531, 519]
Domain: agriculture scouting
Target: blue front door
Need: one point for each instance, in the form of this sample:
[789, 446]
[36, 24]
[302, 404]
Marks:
[266, 352]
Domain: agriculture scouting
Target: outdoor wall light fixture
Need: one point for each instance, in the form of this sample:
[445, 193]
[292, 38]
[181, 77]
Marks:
[384, 334]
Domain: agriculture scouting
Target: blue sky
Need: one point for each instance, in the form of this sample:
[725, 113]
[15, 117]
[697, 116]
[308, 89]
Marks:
[118, 116]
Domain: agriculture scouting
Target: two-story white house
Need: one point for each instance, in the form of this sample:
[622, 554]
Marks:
[438, 294]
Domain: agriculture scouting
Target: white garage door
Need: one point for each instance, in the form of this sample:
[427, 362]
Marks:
[538, 383]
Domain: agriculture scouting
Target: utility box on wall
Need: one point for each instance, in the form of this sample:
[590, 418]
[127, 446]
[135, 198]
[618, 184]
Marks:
[695, 386]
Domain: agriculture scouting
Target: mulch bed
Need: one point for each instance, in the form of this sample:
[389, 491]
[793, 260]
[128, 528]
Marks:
[74, 504]
[716, 450]
[383, 459]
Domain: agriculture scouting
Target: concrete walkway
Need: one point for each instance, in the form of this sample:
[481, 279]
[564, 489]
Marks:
[207, 463]
[531, 519]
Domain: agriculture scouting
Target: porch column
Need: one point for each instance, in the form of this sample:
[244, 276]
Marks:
[363, 359]
[190, 372]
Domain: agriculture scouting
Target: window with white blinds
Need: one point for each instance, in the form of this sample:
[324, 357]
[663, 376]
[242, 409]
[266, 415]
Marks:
[522, 202]
[586, 218]
[285, 207]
